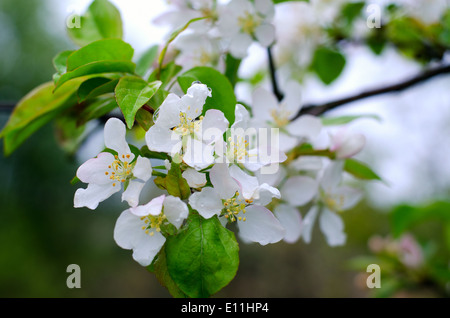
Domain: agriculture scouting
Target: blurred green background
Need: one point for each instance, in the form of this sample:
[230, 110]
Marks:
[41, 233]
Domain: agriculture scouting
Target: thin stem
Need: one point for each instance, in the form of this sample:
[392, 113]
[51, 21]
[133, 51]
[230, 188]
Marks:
[273, 78]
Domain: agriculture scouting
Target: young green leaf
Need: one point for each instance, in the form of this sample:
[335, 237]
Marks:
[360, 170]
[96, 86]
[203, 258]
[102, 20]
[132, 93]
[327, 64]
[342, 120]
[222, 91]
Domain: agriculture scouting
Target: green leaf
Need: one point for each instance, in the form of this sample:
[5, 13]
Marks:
[404, 217]
[203, 258]
[100, 57]
[96, 86]
[342, 120]
[352, 10]
[222, 91]
[281, 1]
[60, 61]
[145, 152]
[146, 60]
[132, 93]
[101, 21]
[360, 170]
[165, 74]
[232, 68]
[327, 64]
[36, 109]
[144, 119]
[176, 185]
[96, 109]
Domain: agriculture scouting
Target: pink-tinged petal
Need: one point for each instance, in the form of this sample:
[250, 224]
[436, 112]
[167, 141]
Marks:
[308, 224]
[291, 220]
[239, 45]
[94, 194]
[332, 175]
[132, 193]
[175, 210]
[168, 114]
[306, 126]
[222, 181]
[265, 34]
[197, 154]
[128, 234]
[193, 101]
[143, 168]
[94, 170]
[263, 104]
[332, 227]
[214, 125]
[207, 202]
[346, 144]
[260, 226]
[194, 178]
[114, 133]
[154, 207]
[162, 139]
[299, 190]
[247, 184]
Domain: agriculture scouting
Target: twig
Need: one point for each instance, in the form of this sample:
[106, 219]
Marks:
[273, 78]
[319, 109]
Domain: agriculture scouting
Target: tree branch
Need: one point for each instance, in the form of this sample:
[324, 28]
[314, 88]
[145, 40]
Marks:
[319, 109]
[273, 78]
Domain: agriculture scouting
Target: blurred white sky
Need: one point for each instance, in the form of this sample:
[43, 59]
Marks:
[409, 148]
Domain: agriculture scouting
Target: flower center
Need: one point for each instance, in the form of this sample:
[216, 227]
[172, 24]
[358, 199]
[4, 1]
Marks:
[248, 23]
[153, 222]
[238, 149]
[334, 204]
[233, 207]
[188, 126]
[120, 170]
[280, 116]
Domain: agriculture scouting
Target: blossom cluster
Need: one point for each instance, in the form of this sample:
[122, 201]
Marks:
[234, 172]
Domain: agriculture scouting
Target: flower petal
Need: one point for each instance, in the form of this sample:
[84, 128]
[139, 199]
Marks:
[266, 193]
[168, 114]
[239, 45]
[332, 175]
[247, 183]
[292, 100]
[147, 248]
[260, 226]
[214, 125]
[299, 190]
[197, 154]
[162, 139]
[194, 178]
[154, 207]
[207, 202]
[114, 133]
[265, 34]
[175, 210]
[306, 126]
[193, 101]
[332, 227]
[307, 163]
[222, 181]
[93, 170]
[263, 103]
[291, 220]
[132, 193]
[143, 168]
[94, 194]
[241, 117]
[346, 196]
[308, 224]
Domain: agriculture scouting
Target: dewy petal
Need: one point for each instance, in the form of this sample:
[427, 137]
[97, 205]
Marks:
[222, 181]
[332, 175]
[175, 210]
[214, 125]
[263, 103]
[306, 126]
[169, 112]
[291, 220]
[207, 202]
[265, 34]
[239, 45]
[162, 139]
[265, 194]
[154, 207]
[94, 194]
[299, 190]
[308, 224]
[332, 227]
[194, 178]
[114, 134]
[128, 234]
[193, 101]
[132, 193]
[143, 168]
[247, 184]
[260, 226]
[93, 170]
[198, 155]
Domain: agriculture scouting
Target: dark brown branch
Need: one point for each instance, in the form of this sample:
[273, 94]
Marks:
[272, 69]
[319, 109]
